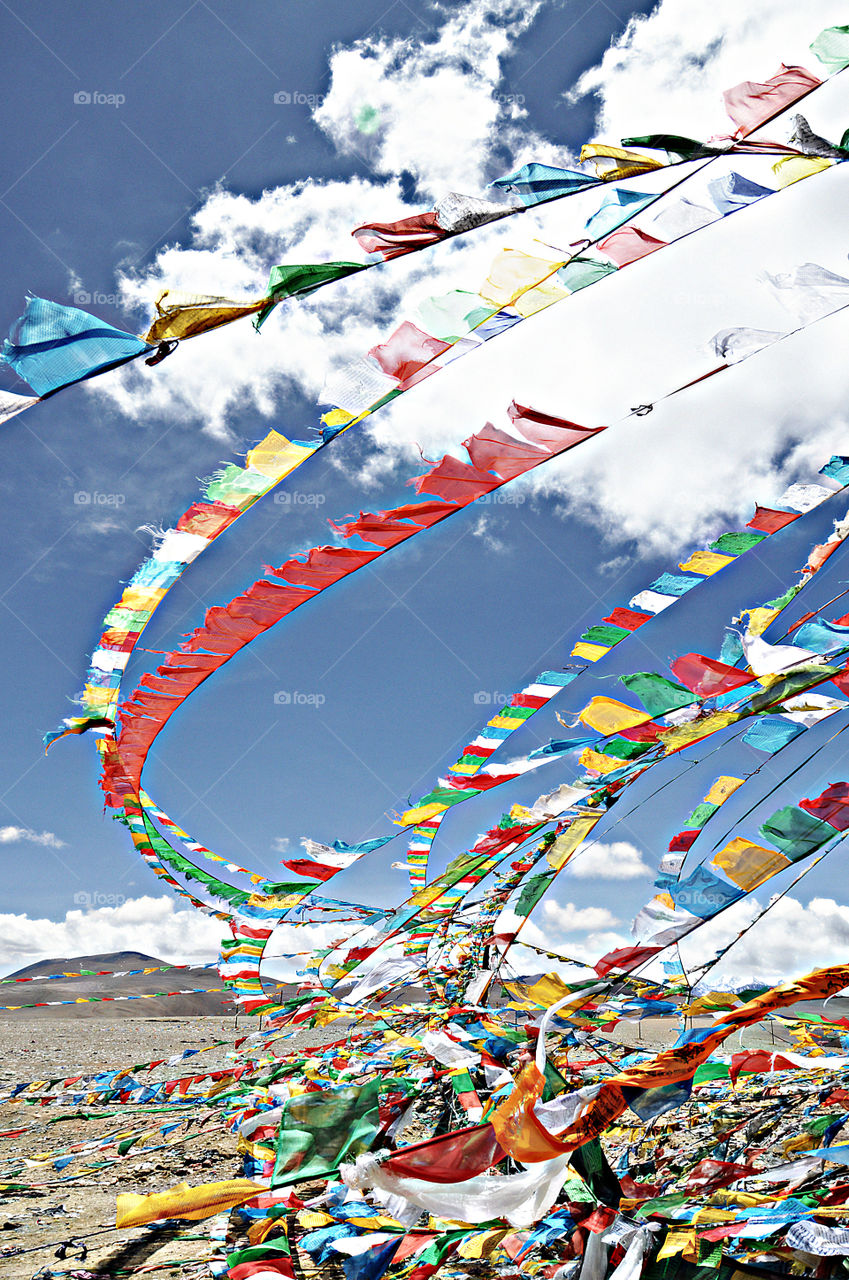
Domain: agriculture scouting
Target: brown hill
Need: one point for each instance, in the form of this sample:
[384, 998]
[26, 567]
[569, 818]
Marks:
[196, 980]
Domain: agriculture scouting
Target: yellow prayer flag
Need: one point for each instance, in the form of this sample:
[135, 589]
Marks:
[792, 169]
[677, 1242]
[592, 652]
[540, 297]
[759, 619]
[483, 1243]
[678, 738]
[512, 273]
[337, 418]
[275, 456]
[185, 315]
[521, 813]
[565, 845]
[142, 599]
[598, 762]
[425, 811]
[609, 716]
[706, 562]
[546, 991]
[629, 162]
[724, 787]
[747, 865]
[184, 1201]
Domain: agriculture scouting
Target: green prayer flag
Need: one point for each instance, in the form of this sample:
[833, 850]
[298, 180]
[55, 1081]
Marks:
[581, 272]
[832, 48]
[532, 891]
[286, 281]
[605, 634]
[797, 833]
[734, 544]
[687, 148]
[657, 694]
[804, 677]
[622, 749]
[446, 796]
[177, 862]
[700, 815]
[318, 1131]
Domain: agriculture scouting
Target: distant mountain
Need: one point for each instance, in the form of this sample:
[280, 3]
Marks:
[193, 979]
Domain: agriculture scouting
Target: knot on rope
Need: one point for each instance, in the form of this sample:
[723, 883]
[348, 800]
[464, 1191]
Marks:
[162, 352]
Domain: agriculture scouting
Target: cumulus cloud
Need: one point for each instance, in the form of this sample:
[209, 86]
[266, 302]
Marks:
[18, 835]
[616, 861]
[429, 107]
[424, 107]
[681, 55]
[155, 926]
[819, 930]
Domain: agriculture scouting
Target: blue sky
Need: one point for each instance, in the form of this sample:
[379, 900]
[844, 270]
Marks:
[197, 177]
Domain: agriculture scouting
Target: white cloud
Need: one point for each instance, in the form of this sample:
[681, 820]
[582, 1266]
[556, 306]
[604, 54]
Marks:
[565, 917]
[678, 58]
[17, 835]
[428, 107]
[156, 926]
[819, 933]
[482, 529]
[281, 844]
[616, 861]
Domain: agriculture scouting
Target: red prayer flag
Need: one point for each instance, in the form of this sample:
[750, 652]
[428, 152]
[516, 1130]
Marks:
[683, 841]
[754, 1062]
[312, 870]
[832, 806]
[628, 244]
[207, 518]
[766, 520]
[456, 481]
[749, 104]
[624, 959]
[406, 351]
[493, 450]
[454, 1157]
[325, 565]
[707, 676]
[424, 513]
[391, 239]
[543, 429]
[630, 619]
[379, 528]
